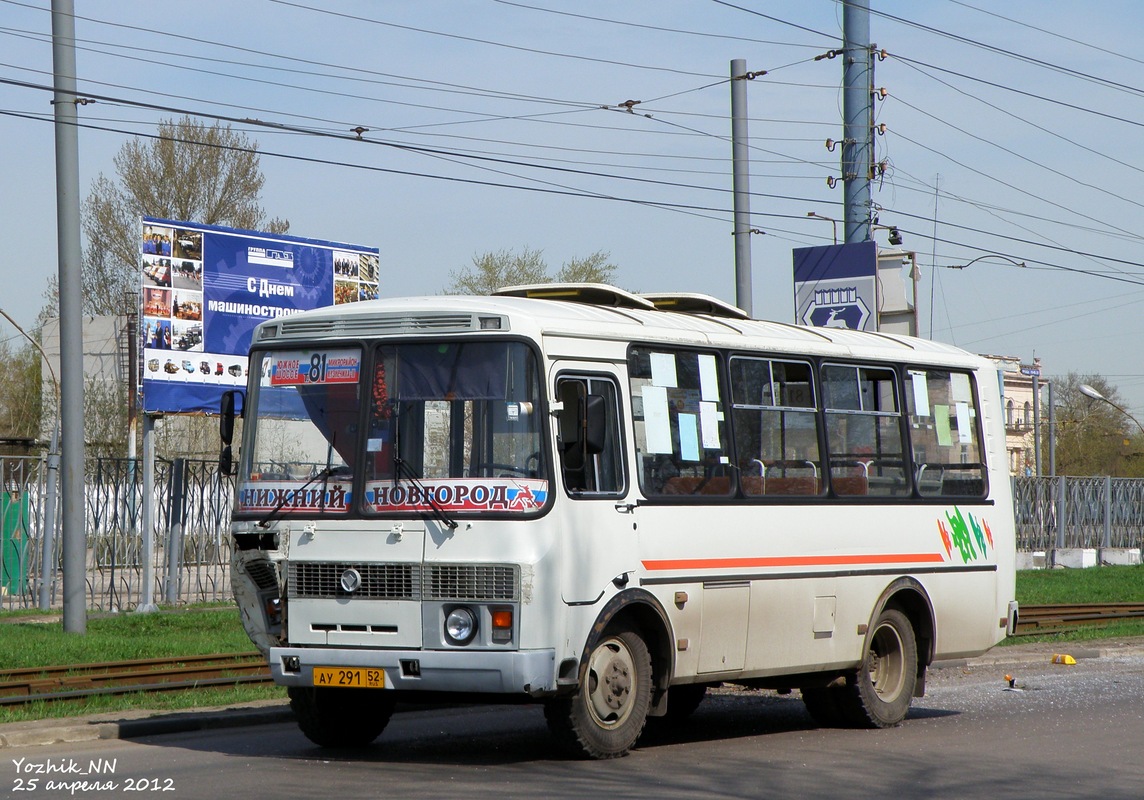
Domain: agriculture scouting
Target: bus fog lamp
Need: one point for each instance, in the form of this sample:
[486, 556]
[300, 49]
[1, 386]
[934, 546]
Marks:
[460, 626]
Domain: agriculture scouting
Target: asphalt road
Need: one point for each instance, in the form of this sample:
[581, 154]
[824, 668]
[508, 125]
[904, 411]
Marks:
[1066, 732]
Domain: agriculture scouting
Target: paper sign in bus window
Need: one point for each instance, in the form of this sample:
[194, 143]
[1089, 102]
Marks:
[963, 425]
[663, 370]
[921, 393]
[688, 437]
[709, 416]
[657, 421]
[708, 378]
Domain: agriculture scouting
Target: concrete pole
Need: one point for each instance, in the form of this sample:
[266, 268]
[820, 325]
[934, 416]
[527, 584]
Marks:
[857, 123]
[147, 521]
[48, 534]
[740, 179]
[71, 315]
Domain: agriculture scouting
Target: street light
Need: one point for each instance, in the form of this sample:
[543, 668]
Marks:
[833, 223]
[1012, 261]
[1088, 391]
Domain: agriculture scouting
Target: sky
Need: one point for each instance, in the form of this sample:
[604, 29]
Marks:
[1012, 135]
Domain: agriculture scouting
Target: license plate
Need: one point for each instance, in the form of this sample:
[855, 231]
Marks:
[355, 677]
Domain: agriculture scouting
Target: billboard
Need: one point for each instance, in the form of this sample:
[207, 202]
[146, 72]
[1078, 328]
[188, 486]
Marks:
[203, 290]
[835, 286]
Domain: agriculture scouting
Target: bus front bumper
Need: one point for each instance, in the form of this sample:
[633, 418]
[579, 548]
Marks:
[531, 672]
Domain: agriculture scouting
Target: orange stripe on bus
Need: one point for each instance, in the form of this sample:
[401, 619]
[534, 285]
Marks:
[793, 561]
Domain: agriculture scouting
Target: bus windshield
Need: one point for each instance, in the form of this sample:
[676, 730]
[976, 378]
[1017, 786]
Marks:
[416, 427]
[461, 422]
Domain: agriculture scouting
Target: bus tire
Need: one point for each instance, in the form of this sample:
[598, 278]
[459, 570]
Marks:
[341, 717]
[878, 694]
[608, 713]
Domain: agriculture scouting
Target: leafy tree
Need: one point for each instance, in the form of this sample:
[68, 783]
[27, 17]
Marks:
[494, 270]
[190, 171]
[20, 395]
[1093, 437]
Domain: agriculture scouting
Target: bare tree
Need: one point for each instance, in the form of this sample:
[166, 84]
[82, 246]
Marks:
[494, 270]
[188, 171]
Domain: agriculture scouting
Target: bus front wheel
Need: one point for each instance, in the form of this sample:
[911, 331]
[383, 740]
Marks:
[341, 717]
[878, 694]
[606, 717]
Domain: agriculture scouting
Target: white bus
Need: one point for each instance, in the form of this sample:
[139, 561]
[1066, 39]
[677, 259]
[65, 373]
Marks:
[607, 503]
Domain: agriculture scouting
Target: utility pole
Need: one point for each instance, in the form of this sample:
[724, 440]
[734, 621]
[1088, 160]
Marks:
[71, 315]
[857, 123]
[740, 179]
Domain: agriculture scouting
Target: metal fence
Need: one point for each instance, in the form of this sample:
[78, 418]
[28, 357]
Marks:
[192, 550]
[1066, 512]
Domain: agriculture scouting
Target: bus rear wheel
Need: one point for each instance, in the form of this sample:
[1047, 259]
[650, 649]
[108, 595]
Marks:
[879, 693]
[341, 717]
[606, 717]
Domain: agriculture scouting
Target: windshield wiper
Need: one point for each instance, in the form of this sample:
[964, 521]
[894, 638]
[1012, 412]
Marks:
[321, 475]
[404, 468]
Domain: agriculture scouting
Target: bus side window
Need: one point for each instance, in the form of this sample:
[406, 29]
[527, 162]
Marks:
[944, 436]
[679, 423]
[863, 430]
[598, 471]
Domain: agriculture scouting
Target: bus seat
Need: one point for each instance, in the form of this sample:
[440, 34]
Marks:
[849, 485]
[687, 484]
[753, 485]
[801, 485]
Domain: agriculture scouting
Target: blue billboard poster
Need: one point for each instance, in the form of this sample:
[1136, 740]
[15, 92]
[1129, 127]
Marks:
[205, 288]
[835, 286]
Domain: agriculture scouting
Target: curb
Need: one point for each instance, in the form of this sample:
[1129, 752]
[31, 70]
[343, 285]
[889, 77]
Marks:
[67, 731]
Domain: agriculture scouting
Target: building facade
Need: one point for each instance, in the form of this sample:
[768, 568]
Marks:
[1021, 412]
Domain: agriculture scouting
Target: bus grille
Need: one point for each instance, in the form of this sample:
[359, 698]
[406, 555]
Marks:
[263, 573]
[318, 580]
[470, 582]
[378, 581]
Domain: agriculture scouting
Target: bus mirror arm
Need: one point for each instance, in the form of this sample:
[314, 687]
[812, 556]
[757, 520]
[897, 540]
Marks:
[230, 407]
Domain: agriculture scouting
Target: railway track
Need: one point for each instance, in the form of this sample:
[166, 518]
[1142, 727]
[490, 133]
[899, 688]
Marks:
[76, 681]
[73, 681]
[1050, 618]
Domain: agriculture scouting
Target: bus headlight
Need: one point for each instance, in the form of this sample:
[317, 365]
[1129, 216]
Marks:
[460, 626]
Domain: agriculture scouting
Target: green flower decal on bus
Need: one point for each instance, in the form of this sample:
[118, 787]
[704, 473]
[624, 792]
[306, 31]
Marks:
[963, 531]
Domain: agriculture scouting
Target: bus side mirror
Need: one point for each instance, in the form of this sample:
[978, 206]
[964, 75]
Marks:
[229, 409]
[595, 423]
[583, 423]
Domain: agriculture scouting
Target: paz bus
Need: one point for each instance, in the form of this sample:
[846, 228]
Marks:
[606, 503]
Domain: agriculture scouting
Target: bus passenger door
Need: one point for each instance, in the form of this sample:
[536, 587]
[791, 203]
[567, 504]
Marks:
[598, 540]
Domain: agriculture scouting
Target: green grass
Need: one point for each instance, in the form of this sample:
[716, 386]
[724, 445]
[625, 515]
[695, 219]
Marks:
[33, 639]
[1093, 585]
[121, 637]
